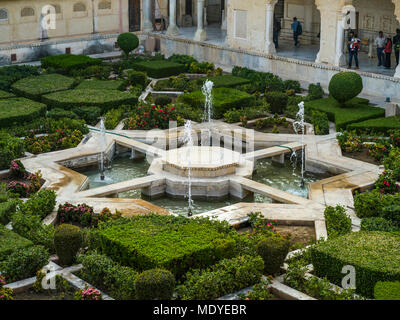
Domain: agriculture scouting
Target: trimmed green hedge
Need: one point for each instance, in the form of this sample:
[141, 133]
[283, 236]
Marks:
[68, 62]
[173, 243]
[6, 208]
[6, 95]
[345, 86]
[159, 68]
[375, 256]
[225, 81]
[356, 111]
[224, 99]
[381, 125]
[16, 111]
[104, 99]
[387, 290]
[10, 241]
[36, 86]
[102, 84]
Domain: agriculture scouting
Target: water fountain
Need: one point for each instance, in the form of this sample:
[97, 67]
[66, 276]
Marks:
[102, 147]
[188, 141]
[208, 105]
[298, 125]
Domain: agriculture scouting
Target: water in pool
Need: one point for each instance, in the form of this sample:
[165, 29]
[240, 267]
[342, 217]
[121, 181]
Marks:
[280, 177]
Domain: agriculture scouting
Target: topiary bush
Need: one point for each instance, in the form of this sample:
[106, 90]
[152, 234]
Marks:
[277, 101]
[159, 68]
[155, 284]
[345, 86]
[378, 224]
[337, 221]
[137, 78]
[67, 241]
[273, 250]
[66, 63]
[162, 100]
[91, 115]
[315, 92]
[320, 122]
[385, 290]
[128, 42]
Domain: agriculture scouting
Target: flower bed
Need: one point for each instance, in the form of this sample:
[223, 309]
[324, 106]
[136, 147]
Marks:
[105, 99]
[102, 84]
[16, 111]
[36, 86]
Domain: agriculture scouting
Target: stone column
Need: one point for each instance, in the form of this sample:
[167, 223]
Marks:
[223, 24]
[172, 28]
[397, 14]
[201, 34]
[147, 24]
[340, 59]
[269, 27]
[308, 19]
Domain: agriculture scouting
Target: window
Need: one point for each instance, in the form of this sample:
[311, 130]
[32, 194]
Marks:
[79, 7]
[240, 24]
[27, 12]
[57, 7]
[104, 5]
[3, 14]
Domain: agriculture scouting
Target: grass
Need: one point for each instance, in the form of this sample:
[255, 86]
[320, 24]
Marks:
[381, 125]
[102, 84]
[355, 111]
[6, 95]
[35, 86]
[15, 111]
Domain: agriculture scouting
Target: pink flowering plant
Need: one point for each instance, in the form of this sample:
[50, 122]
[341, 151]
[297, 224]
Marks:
[5, 293]
[20, 188]
[82, 214]
[386, 183]
[17, 169]
[88, 293]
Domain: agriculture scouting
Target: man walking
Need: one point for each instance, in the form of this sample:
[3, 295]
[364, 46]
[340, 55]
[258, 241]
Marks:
[297, 31]
[396, 45]
[380, 45]
[276, 31]
[354, 47]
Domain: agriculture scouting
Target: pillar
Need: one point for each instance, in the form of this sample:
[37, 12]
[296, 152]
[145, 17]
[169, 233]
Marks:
[224, 15]
[340, 59]
[397, 14]
[172, 28]
[201, 34]
[308, 16]
[269, 27]
[147, 24]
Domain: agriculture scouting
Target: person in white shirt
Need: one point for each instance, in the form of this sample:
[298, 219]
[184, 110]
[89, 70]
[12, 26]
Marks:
[380, 45]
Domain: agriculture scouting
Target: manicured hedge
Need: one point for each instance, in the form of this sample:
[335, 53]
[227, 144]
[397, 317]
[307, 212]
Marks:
[6, 208]
[10, 241]
[6, 95]
[224, 99]
[16, 111]
[102, 84]
[11, 74]
[387, 290]
[159, 68]
[173, 243]
[354, 112]
[36, 86]
[375, 256]
[381, 125]
[68, 62]
[104, 99]
[10, 148]
[225, 81]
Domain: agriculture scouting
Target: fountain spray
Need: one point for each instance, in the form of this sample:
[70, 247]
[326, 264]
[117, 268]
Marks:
[298, 125]
[102, 147]
[208, 106]
[188, 140]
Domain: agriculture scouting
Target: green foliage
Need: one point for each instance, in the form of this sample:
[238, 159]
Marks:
[225, 81]
[173, 243]
[23, 263]
[228, 276]
[41, 203]
[67, 242]
[186, 60]
[381, 125]
[260, 81]
[234, 115]
[66, 63]
[128, 42]
[162, 100]
[10, 242]
[315, 92]
[224, 99]
[35, 86]
[292, 85]
[385, 290]
[155, 284]
[160, 68]
[6, 209]
[345, 116]
[10, 149]
[178, 83]
[187, 112]
[11, 74]
[114, 117]
[375, 256]
[273, 250]
[345, 86]
[320, 122]
[97, 71]
[58, 113]
[372, 203]
[338, 223]
[277, 101]
[91, 115]
[16, 111]
[102, 84]
[104, 99]
[6, 95]
[378, 224]
[137, 78]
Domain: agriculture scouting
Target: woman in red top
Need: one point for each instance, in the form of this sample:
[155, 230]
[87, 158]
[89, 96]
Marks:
[388, 52]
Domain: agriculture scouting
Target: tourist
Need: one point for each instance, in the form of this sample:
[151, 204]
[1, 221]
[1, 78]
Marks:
[276, 31]
[354, 47]
[380, 45]
[297, 31]
[388, 52]
[396, 45]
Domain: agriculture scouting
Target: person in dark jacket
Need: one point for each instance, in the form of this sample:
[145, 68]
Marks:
[396, 45]
[388, 51]
[276, 30]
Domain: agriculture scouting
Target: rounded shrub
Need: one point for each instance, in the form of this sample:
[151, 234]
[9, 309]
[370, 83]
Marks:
[277, 100]
[155, 284]
[345, 86]
[67, 241]
[162, 100]
[273, 251]
[128, 42]
[137, 78]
